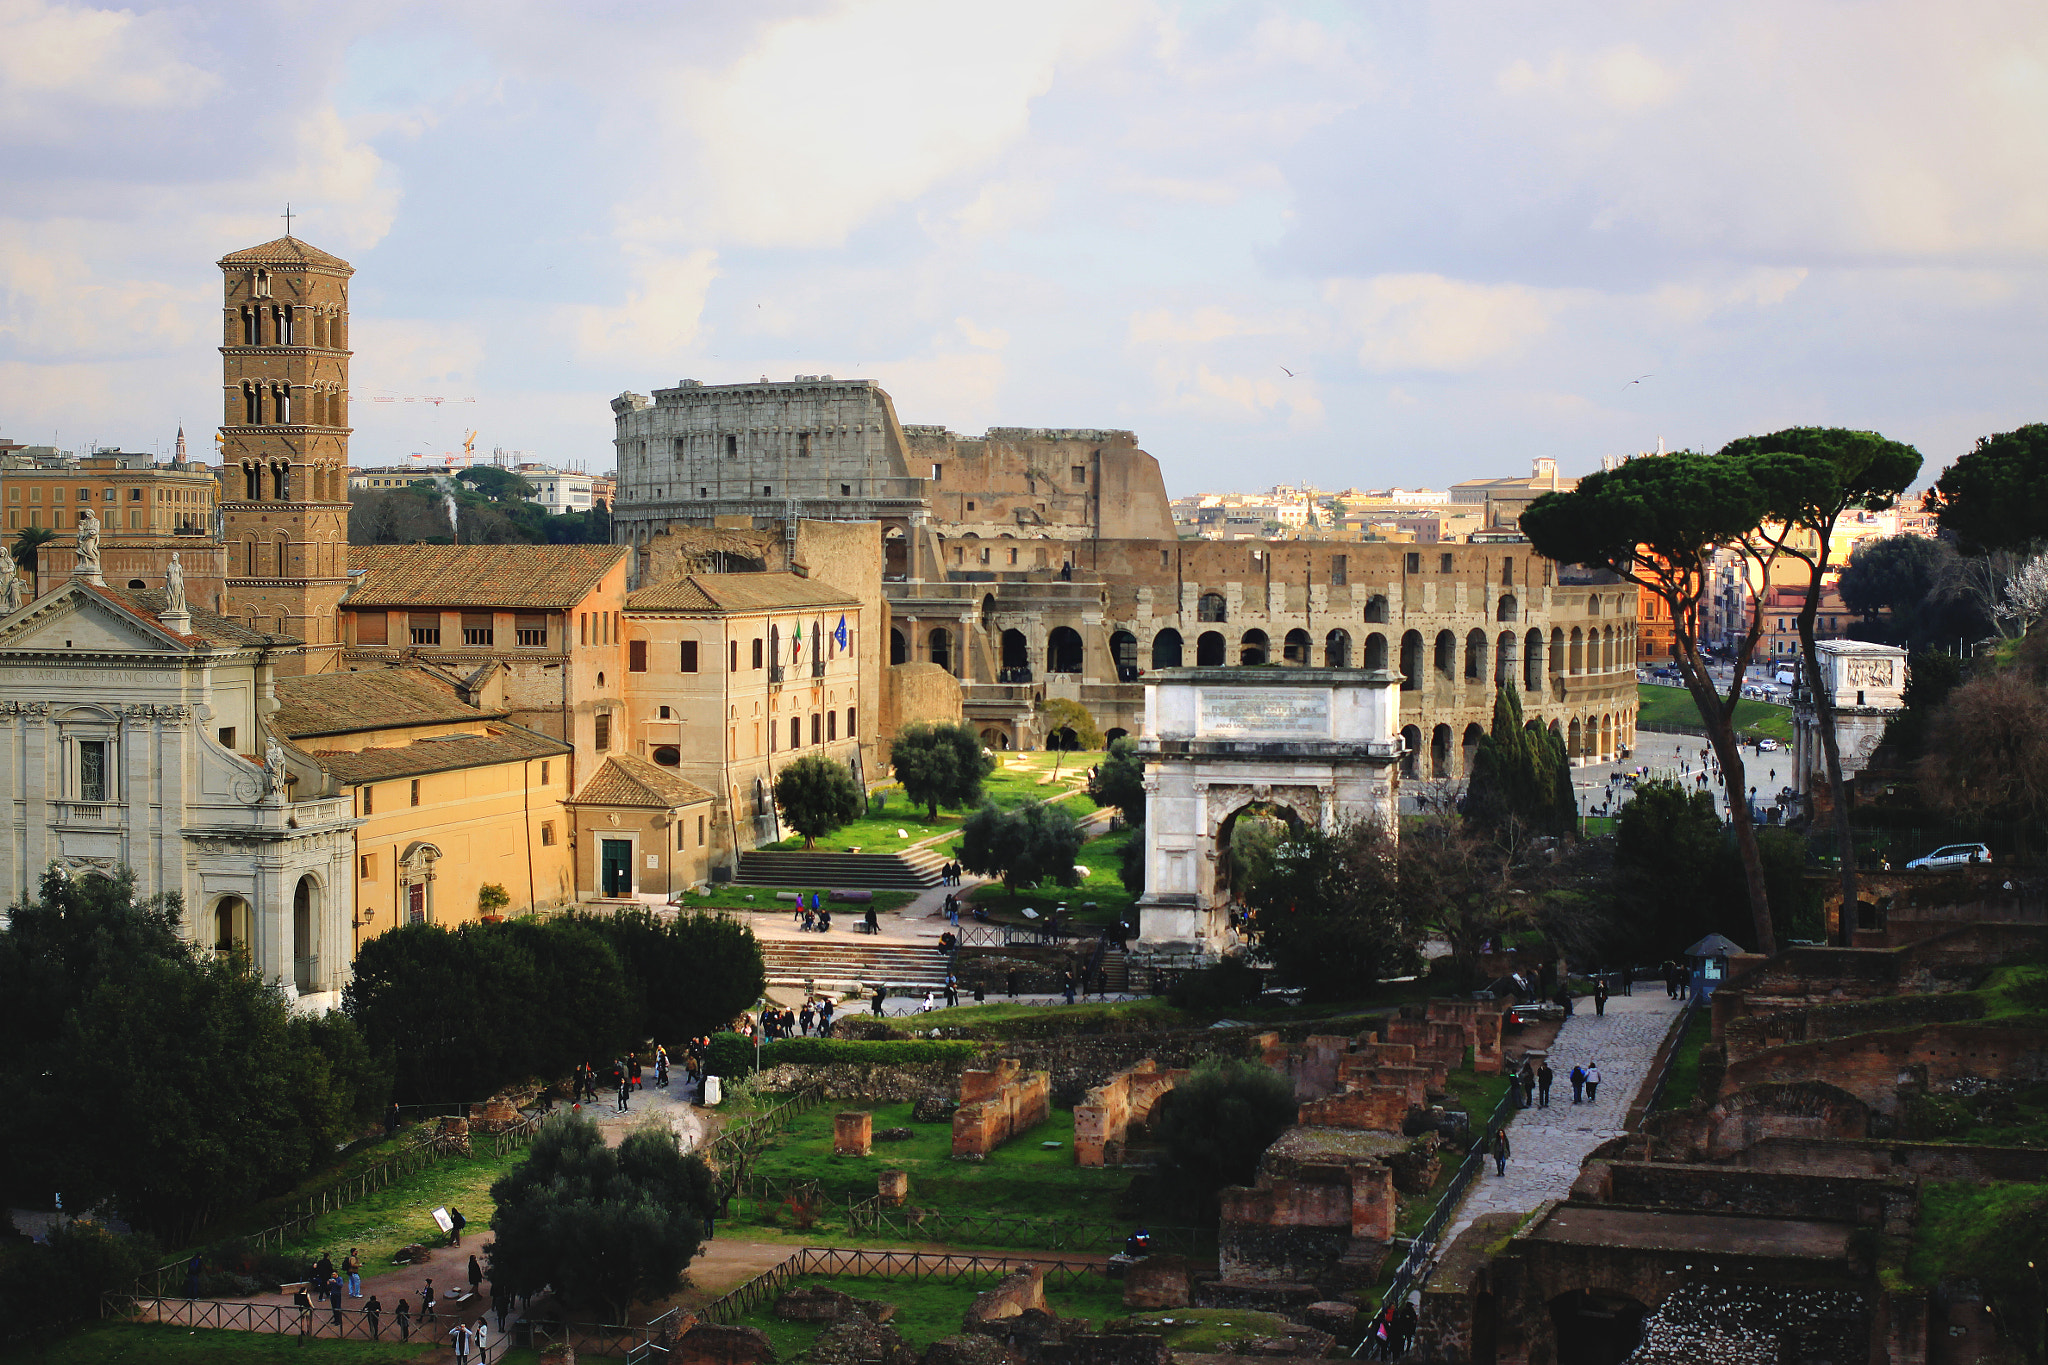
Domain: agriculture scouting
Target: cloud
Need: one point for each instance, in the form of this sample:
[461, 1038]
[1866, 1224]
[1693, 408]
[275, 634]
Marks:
[1622, 77]
[54, 57]
[660, 317]
[1428, 322]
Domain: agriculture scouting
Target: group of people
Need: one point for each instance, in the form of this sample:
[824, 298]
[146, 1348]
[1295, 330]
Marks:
[325, 1282]
[626, 1074]
[949, 875]
[1393, 1331]
[798, 1023]
[1677, 979]
[813, 918]
[1531, 1085]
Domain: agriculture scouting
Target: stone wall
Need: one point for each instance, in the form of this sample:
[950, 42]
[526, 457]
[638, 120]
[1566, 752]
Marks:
[1883, 1070]
[996, 1105]
[849, 1081]
[1919, 1160]
[918, 692]
[1871, 1201]
[1804, 1109]
[1746, 1036]
[1102, 1120]
[1378, 1109]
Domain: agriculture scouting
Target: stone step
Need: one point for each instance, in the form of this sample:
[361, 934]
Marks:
[791, 962]
[794, 868]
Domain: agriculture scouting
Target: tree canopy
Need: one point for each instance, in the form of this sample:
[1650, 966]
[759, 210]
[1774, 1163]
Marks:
[1996, 497]
[1119, 780]
[499, 485]
[940, 764]
[717, 955]
[1329, 911]
[1026, 846]
[1521, 781]
[817, 795]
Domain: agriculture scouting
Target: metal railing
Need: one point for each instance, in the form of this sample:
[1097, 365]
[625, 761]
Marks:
[948, 1268]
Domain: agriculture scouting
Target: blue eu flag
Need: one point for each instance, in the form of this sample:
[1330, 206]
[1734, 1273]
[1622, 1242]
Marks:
[839, 635]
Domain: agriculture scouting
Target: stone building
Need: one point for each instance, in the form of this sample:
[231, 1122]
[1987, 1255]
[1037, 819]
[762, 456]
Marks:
[1036, 563]
[1867, 684]
[148, 511]
[284, 432]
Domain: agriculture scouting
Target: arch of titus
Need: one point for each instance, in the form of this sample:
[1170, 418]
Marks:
[1318, 742]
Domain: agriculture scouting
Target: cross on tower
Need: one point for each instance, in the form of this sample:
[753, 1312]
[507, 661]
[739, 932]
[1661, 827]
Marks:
[287, 216]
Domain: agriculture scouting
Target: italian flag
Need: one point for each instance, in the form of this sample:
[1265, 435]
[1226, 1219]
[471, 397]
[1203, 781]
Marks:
[796, 650]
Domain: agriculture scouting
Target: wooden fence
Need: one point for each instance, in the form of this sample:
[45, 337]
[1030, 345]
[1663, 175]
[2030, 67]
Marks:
[891, 1265]
[871, 1218]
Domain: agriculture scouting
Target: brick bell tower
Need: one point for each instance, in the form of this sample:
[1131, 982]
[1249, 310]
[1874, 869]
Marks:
[284, 443]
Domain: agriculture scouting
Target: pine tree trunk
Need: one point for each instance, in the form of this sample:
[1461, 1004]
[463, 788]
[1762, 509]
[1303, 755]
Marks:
[1824, 721]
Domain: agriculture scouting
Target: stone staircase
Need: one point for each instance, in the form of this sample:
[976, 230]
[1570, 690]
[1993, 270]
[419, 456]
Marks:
[797, 870]
[838, 960]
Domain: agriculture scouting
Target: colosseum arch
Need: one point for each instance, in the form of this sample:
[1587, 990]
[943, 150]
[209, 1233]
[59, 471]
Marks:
[1337, 649]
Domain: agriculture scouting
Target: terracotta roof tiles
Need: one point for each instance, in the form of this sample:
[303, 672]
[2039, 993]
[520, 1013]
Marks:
[504, 576]
[499, 744]
[375, 699]
[731, 592]
[628, 781]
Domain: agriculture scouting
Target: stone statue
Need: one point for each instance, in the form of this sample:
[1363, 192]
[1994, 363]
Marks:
[10, 584]
[273, 762]
[88, 564]
[174, 586]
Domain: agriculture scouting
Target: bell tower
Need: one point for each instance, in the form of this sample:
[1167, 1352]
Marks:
[284, 443]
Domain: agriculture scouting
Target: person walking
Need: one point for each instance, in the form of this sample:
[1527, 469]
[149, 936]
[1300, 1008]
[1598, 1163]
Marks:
[1600, 996]
[1526, 1083]
[1501, 1151]
[303, 1301]
[373, 1311]
[402, 1316]
[476, 1276]
[1592, 1082]
[463, 1338]
[334, 1300]
[483, 1342]
[352, 1267]
[1405, 1323]
[455, 1234]
[1544, 1076]
[1578, 1082]
[427, 1303]
[625, 1089]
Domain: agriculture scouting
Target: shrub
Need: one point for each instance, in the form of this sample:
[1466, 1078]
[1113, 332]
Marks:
[1215, 1125]
[730, 1055]
[61, 1280]
[1233, 981]
[826, 1051]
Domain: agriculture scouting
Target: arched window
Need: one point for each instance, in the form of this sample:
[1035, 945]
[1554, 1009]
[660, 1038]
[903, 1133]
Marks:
[305, 936]
[940, 643]
[1411, 661]
[1376, 652]
[1016, 657]
[1063, 650]
[1252, 649]
[1440, 751]
[1209, 607]
[1469, 748]
[1558, 657]
[1446, 654]
[1507, 608]
[1475, 656]
[284, 556]
[250, 409]
[1297, 648]
[1578, 654]
[1411, 742]
[1337, 649]
[1532, 663]
[252, 479]
[1209, 649]
[1507, 659]
[249, 569]
[899, 651]
[248, 327]
[1166, 649]
[1376, 608]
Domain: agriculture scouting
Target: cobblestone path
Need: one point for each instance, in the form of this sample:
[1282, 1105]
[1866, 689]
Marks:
[1549, 1145]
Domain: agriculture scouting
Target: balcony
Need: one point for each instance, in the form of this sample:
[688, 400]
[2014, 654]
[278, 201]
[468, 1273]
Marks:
[100, 813]
[817, 665]
[775, 675]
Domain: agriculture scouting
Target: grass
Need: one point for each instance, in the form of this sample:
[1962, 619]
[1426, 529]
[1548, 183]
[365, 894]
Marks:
[728, 897]
[926, 1310]
[116, 1343]
[1206, 1330]
[1674, 706]
[1020, 1178]
[1007, 786]
[997, 1021]
[1684, 1081]
[401, 1213]
[1104, 885]
[1955, 1218]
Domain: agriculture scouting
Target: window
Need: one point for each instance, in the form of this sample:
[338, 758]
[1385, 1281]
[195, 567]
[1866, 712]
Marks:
[663, 714]
[415, 791]
[796, 732]
[425, 628]
[757, 651]
[735, 657]
[938, 472]
[478, 628]
[604, 733]
[700, 831]
[373, 628]
[732, 447]
[803, 444]
[134, 519]
[845, 490]
[849, 723]
[531, 632]
[767, 490]
[135, 495]
[636, 656]
[667, 755]
[368, 867]
[1339, 567]
[545, 767]
[817, 729]
[1507, 573]
[970, 506]
[1414, 562]
[92, 770]
[688, 660]
[1443, 563]
[1080, 472]
[547, 834]
[227, 737]
[369, 800]
[831, 725]
[583, 627]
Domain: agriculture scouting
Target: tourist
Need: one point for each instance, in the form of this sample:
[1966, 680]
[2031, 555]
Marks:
[661, 1066]
[625, 1090]
[1578, 1082]
[1405, 1323]
[455, 1233]
[334, 1298]
[824, 1017]
[1600, 996]
[323, 1270]
[372, 1311]
[403, 1316]
[873, 926]
[1500, 1151]
[1526, 1086]
[1592, 1082]
[803, 1019]
[391, 1119]
[476, 1276]
[878, 1001]
[1544, 1076]
[427, 1302]
[483, 1343]
[303, 1301]
[501, 1303]
[460, 1331]
[352, 1266]
[927, 1006]
[192, 1269]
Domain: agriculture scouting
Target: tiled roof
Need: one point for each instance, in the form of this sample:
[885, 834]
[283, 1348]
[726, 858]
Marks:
[738, 592]
[507, 576]
[628, 781]
[499, 744]
[285, 251]
[214, 630]
[374, 699]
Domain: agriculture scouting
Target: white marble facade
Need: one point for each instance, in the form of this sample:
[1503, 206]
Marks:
[1318, 742]
[133, 736]
[1867, 684]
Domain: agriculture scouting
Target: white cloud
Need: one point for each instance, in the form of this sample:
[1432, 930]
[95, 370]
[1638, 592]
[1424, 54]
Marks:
[1428, 322]
[1622, 77]
[53, 56]
[659, 319]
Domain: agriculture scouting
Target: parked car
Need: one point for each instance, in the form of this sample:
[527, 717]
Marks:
[1953, 855]
[1767, 745]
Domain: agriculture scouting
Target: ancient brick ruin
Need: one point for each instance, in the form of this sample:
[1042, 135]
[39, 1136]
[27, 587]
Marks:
[1102, 1121]
[996, 1105]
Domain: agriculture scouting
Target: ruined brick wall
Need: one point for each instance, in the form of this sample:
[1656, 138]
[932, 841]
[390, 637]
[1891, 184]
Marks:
[1886, 1203]
[1003, 1103]
[1882, 1069]
[918, 692]
[1918, 1160]
[1292, 1232]
[1103, 1119]
[1380, 1109]
[1357, 1073]
[1747, 1036]
[1805, 1109]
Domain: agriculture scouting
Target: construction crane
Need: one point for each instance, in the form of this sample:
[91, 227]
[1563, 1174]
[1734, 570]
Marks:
[409, 398]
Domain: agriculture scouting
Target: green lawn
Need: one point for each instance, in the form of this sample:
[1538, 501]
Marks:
[402, 1213]
[1007, 1020]
[1674, 706]
[134, 1343]
[1006, 786]
[1019, 1178]
[1684, 1081]
[1103, 885]
[926, 1310]
[1206, 1330]
[728, 897]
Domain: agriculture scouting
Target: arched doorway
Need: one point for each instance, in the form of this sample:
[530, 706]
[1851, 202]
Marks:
[1532, 664]
[1508, 609]
[1123, 647]
[994, 737]
[1440, 751]
[1411, 661]
[1574, 745]
[1376, 609]
[1468, 748]
[1475, 656]
[1209, 607]
[305, 935]
[1446, 660]
[899, 649]
[1297, 648]
[1251, 651]
[1411, 751]
[1596, 1328]
[1507, 658]
[1376, 652]
[1209, 649]
[1063, 740]
[1110, 737]
[231, 922]
[1246, 838]
[940, 642]
[1063, 650]
[1166, 649]
[1016, 658]
[1337, 649]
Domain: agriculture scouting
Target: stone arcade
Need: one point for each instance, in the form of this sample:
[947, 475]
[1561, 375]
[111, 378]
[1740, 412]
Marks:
[1317, 743]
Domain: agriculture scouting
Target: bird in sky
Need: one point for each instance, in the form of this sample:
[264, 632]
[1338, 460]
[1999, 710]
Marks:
[1639, 379]
[1289, 373]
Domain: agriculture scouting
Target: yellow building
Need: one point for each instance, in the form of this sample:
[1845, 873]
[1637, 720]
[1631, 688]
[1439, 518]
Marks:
[147, 512]
[640, 832]
[451, 798]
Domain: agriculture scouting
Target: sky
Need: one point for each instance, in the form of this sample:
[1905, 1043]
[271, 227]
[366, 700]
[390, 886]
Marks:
[1347, 243]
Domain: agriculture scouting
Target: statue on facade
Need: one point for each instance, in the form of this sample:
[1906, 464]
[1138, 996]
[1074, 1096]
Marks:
[273, 762]
[174, 587]
[10, 584]
[88, 561]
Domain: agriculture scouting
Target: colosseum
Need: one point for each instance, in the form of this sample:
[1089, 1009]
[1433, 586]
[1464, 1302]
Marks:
[1034, 563]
